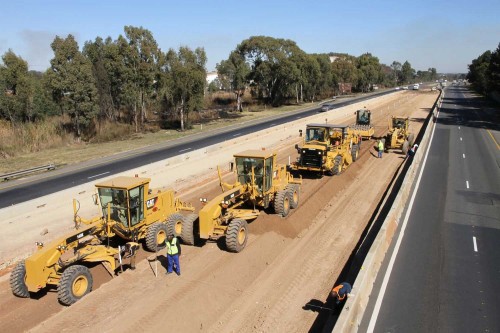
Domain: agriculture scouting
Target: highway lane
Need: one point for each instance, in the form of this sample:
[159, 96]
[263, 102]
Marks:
[443, 273]
[34, 187]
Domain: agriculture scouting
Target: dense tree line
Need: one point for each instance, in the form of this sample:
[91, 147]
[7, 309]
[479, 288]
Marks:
[130, 79]
[484, 72]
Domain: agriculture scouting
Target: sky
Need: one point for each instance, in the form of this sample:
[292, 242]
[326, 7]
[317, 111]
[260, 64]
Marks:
[446, 35]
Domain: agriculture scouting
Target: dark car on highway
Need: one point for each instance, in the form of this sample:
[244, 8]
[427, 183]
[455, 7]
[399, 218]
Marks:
[326, 107]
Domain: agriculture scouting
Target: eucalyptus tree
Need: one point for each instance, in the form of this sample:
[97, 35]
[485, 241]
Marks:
[326, 80]
[494, 71]
[233, 73]
[369, 71]
[396, 70]
[273, 73]
[72, 83]
[345, 70]
[140, 55]
[16, 89]
[96, 53]
[185, 79]
[407, 72]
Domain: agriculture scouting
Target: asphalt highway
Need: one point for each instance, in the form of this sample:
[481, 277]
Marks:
[442, 272]
[17, 191]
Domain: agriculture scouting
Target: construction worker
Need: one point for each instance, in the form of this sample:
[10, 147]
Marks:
[380, 148]
[412, 151]
[173, 253]
[341, 291]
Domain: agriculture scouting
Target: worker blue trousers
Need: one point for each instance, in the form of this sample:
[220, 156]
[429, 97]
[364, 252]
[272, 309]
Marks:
[173, 260]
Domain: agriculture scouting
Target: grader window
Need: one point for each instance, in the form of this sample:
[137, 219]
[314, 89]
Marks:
[315, 134]
[117, 199]
[244, 169]
[136, 196]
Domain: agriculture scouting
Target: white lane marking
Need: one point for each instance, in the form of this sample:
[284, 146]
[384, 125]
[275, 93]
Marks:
[467, 183]
[182, 150]
[458, 127]
[460, 138]
[273, 124]
[237, 134]
[463, 155]
[101, 174]
[380, 297]
[475, 243]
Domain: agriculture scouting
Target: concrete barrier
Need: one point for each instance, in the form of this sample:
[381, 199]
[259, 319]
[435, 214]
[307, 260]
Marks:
[354, 308]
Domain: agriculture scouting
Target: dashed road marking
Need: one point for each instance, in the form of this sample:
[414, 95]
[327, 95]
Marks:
[183, 150]
[467, 183]
[475, 243]
[101, 174]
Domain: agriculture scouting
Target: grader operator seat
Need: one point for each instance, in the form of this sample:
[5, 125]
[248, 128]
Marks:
[315, 134]
[398, 123]
[244, 169]
[116, 198]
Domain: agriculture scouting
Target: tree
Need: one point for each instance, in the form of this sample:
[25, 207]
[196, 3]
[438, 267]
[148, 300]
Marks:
[345, 70]
[272, 71]
[478, 72]
[17, 89]
[96, 53]
[233, 73]
[396, 68]
[407, 72]
[185, 79]
[494, 70]
[140, 55]
[72, 83]
[369, 71]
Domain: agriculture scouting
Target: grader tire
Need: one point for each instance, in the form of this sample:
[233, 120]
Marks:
[156, 236]
[17, 281]
[76, 282]
[174, 224]
[354, 152]
[411, 139]
[337, 165]
[282, 202]
[406, 146]
[187, 233]
[294, 191]
[237, 235]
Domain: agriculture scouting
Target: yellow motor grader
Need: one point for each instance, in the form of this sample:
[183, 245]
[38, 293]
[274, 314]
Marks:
[131, 211]
[398, 135]
[327, 148]
[260, 183]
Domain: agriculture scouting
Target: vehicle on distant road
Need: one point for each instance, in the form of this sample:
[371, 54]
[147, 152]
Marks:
[326, 107]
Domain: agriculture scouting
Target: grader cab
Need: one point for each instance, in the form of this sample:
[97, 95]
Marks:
[327, 148]
[129, 210]
[399, 135]
[260, 183]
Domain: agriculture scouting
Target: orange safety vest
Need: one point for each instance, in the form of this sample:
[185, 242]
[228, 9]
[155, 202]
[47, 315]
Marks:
[336, 289]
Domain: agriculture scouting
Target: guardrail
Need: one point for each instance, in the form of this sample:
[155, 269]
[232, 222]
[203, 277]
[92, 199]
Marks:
[354, 308]
[16, 174]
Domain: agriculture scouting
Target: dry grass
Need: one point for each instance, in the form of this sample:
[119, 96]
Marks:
[32, 145]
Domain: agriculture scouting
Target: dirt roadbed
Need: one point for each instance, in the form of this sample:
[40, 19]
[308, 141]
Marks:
[287, 262]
